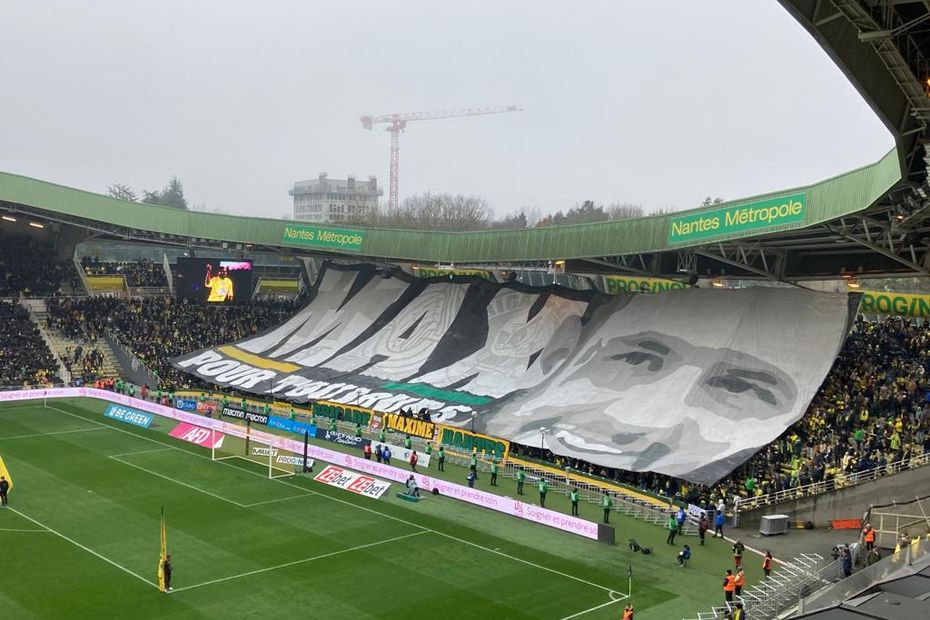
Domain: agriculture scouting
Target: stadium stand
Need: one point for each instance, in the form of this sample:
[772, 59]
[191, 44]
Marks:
[24, 357]
[157, 329]
[142, 272]
[30, 267]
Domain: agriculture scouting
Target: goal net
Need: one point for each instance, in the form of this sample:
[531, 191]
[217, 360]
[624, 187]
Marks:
[260, 455]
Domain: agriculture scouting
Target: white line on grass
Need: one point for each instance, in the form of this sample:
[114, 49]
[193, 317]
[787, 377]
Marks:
[347, 503]
[76, 430]
[9, 529]
[272, 501]
[140, 451]
[87, 549]
[295, 562]
[183, 484]
[589, 610]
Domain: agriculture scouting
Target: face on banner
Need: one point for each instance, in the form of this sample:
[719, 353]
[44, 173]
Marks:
[651, 401]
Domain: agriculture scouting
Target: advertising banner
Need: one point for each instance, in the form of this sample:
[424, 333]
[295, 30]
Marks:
[248, 416]
[185, 405]
[323, 237]
[618, 285]
[342, 439]
[772, 214]
[913, 305]
[498, 503]
[466, 441]
[129, 415]
[409, 425]
[349, 413]
[292, 426]
[197, 435]
[424, 271]
[291, 459]
[399, 453]
[352, 482]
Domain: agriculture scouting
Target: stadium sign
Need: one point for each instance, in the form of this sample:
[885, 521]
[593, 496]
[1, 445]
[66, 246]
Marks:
[897, 304]
[285, 459]
[727, 221]
[197, 435]
[264, 452]
[341, 438]
[352, 482]
[347, 413]
[438, 272]
[248, 416]
[129, 415]
[466, 441]
[292, 426]
[617, 285]
[321, 237]
[185, 405]
[409, 425]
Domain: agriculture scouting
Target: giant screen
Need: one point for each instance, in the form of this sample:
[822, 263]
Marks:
[214, 281]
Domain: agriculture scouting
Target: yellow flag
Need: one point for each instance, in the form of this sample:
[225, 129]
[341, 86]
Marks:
[164, 551]
[5, 473]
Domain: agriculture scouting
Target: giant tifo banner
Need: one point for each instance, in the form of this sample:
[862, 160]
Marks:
[688, 383]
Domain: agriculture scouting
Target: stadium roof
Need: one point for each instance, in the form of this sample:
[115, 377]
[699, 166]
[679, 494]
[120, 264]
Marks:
[871, 221]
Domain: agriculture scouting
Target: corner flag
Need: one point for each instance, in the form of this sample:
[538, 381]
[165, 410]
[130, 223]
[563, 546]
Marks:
[164, 551]
[5, 473]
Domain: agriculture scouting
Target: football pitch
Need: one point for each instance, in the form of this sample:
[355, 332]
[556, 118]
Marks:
[81, 539]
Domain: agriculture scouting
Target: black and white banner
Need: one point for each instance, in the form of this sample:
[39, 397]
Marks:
[688, 383]
[248, 416]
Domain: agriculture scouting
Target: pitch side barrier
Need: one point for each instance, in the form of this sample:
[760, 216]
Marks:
[506, 505]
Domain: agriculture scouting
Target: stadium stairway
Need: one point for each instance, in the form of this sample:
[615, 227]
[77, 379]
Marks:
[58, 344]
[771, 598]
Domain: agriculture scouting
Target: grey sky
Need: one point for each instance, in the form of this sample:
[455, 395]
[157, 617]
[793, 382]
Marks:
[657, 103]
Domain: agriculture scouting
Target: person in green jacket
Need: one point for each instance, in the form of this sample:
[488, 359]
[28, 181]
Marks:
[428, 449]
[225, 402]
[607, 502]
[543, 489]
[493, 472]
[382, 435]
[573, 496]
[521, 478]
[291, 415]
[408, 443]
[358, 429]
[266, 409]
[474, 463]
[672, 526]
[332, 425]
[441, 455]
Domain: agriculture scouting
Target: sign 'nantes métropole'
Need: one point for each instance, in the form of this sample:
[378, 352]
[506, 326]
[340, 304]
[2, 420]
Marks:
[323, 237]
[726, 221]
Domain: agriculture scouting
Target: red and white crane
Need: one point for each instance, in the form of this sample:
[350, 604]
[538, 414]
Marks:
[396, 123]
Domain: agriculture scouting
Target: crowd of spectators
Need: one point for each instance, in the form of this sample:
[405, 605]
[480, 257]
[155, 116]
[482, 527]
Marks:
[142, 272]
[84, 364]
[24, 357]
[157, 329]
[30, 267]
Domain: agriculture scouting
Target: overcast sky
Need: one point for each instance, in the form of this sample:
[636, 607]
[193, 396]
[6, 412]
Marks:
[655, 103]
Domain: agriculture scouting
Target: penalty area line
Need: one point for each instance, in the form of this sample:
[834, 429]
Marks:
[87, 549]
[296, 562]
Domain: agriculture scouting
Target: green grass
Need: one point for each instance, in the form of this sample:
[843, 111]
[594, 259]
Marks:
[88, 491]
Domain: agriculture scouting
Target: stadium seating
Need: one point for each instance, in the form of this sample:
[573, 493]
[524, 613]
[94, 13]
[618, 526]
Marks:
[30, 267]
[157, 329]
[24, 357]
[141, 272]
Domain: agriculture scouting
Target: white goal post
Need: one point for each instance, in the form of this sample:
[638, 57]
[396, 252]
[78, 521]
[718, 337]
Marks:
[241, 445]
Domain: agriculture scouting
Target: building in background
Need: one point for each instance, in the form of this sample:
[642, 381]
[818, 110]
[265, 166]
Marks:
[335, 200]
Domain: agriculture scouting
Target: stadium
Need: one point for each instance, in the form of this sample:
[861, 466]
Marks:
[216, 416]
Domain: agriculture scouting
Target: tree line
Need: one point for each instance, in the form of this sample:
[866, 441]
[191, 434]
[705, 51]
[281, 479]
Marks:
[447, 212]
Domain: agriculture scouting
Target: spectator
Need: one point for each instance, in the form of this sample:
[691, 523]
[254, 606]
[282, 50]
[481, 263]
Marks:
[25, 360]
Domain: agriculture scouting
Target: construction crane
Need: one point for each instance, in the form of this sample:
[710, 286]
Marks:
[398, 122]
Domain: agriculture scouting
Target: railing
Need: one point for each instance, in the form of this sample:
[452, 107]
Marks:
[840, 482]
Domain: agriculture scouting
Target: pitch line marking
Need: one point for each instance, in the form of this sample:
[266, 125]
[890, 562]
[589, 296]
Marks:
[296, 562]
[9, 529]
[347, 503]
[595, 608]
[87, 549]
[272, 501]
[183, 484]
[75, 430]
[139, 452]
